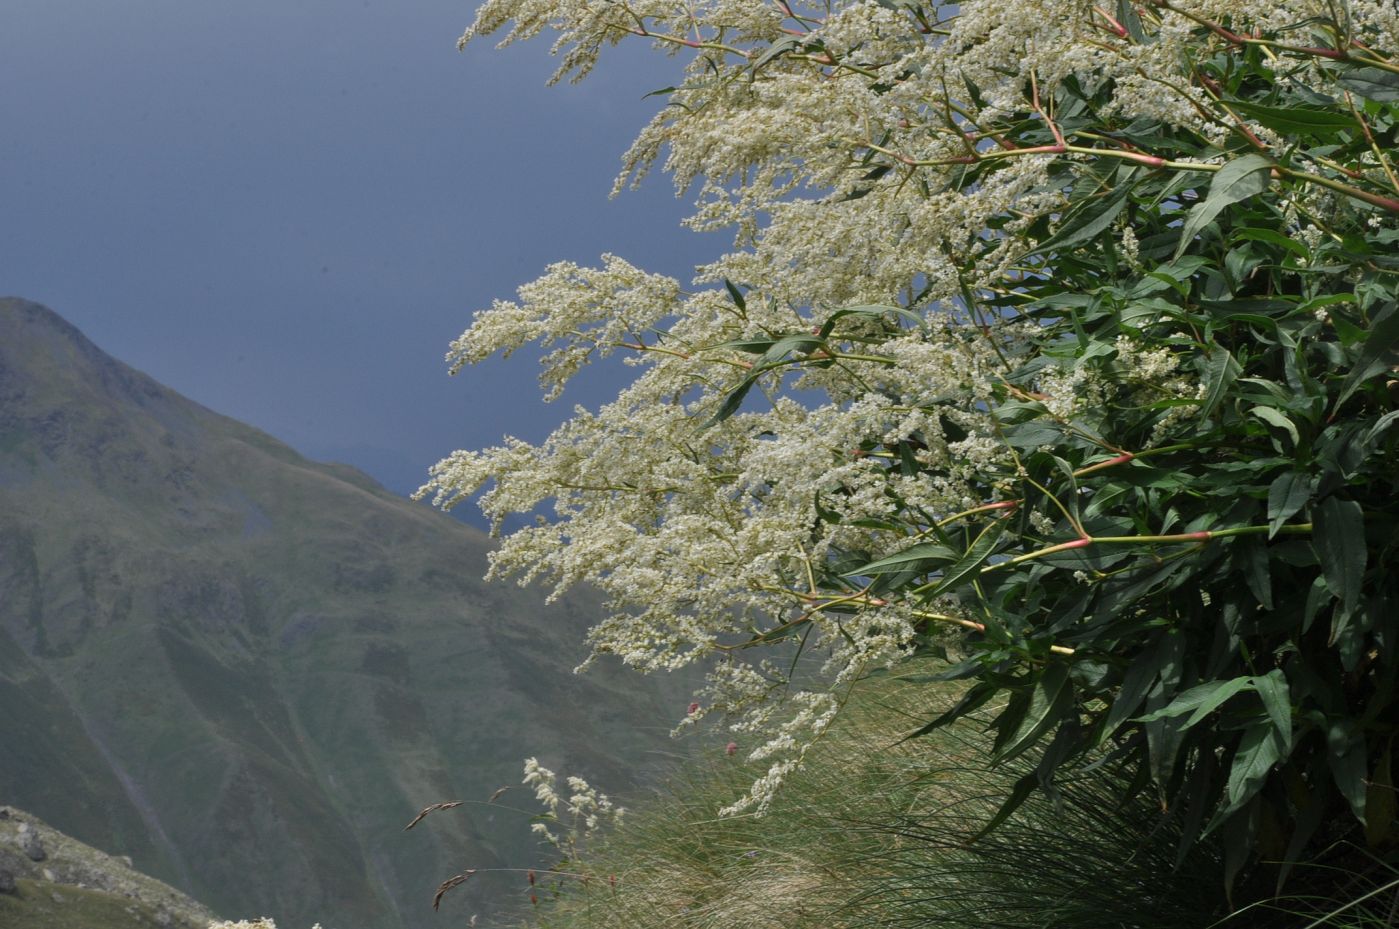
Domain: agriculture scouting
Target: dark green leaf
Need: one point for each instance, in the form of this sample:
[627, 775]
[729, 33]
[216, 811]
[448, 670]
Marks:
[796, 342]
[869, 311]
[1274, 418]
[1163, 655]
[735, 295]
[973, 699]
[1296, 119]
[1286, 496]
[924, 552]
[976, 554]
[1347, 761]
[1082, 225]
[1131, 20]
[1050, 700]
[1018, 795]
[1201, 700]
[1273, 237]
[1260, 748]
[751, 346]
[1238, 180]
[782, 46]
[1277, 701]
[732, 401]
[1220, 370]
[1380, 426]
[1373, 83]
[1339, 539]
[1378, 353]
[1253, 557]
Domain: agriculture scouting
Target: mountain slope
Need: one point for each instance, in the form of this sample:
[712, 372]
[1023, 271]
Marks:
[251, 669]
[57, 882]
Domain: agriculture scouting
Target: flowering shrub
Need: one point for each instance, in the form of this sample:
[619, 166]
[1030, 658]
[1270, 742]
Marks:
[1055, 338]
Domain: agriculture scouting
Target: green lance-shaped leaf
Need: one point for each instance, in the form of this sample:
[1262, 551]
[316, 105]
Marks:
[1238, 180]
[1085, 223]
[1201, 700]
[1339, 540]
[783, 46]
[1051, 699]
[773, 351]
[1220, 370]
[1346, 758]
[1286, 496]
[733, 400]
[1163, 655]
[1275, 418]
[975, 555]
[924, 552]
[1381, 425]
[1260, 748]
[870, 311]
[1374, 83]
[975, 697]
[795, 342]
[1131, 20]
[1380, 351]
[1277, 701]
[751, 346]
[1296, 119]
[735, 295]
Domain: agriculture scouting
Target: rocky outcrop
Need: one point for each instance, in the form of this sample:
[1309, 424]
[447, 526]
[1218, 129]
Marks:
[30, 843]
[68, 871]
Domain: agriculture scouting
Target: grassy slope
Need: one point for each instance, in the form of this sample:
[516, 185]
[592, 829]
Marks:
[42, 905]
[252, 669]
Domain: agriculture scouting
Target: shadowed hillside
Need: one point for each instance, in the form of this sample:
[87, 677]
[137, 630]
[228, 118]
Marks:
[247, 670]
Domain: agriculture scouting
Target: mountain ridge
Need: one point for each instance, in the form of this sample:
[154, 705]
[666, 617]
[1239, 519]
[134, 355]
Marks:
[257, 666]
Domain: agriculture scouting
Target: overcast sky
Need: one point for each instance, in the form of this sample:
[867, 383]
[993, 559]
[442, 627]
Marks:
[286, 209]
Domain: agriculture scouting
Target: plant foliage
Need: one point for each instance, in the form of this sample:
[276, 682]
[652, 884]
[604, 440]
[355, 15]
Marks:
[1121, 446]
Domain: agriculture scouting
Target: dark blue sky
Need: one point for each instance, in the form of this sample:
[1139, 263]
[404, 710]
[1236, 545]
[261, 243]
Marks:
[286, 209]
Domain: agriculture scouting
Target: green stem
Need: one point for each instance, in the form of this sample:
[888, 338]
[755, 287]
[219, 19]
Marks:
[1386, 203]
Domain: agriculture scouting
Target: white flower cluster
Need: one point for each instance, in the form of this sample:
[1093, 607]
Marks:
[579, 814]
[833, 140]
[263, 923]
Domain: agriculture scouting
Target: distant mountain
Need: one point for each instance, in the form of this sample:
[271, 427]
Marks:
[247, 670]
[52, 881]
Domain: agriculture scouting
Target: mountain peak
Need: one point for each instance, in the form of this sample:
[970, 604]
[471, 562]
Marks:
[31, 334]
[65, 402]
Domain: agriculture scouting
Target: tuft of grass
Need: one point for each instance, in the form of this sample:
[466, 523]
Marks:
[875, 831]
[1344, 888]
[878, 832]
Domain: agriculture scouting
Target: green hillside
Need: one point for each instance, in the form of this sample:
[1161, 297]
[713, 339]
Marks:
[247, 671]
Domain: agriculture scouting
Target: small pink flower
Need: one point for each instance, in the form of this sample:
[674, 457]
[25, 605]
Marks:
[694, 708]
[731, 748]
